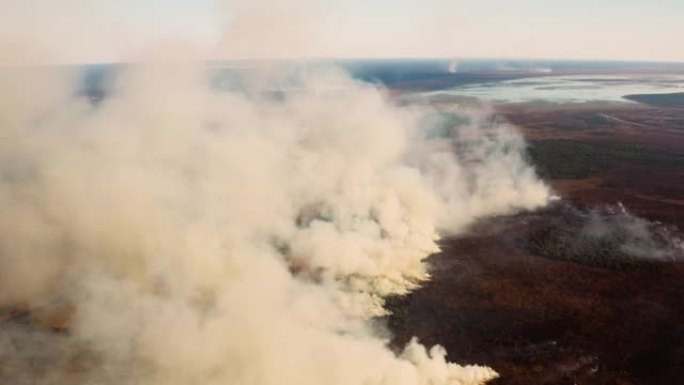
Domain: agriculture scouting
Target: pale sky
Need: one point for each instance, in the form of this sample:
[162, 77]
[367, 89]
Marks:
[86, 31]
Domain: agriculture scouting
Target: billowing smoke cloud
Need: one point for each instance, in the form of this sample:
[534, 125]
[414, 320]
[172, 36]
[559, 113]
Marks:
[185, 231]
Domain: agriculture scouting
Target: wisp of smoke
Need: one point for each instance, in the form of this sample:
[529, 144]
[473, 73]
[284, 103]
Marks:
[188, 232]
[608, 236]
[635, 237]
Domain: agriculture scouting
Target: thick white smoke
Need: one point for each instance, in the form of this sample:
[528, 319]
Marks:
[185, 234]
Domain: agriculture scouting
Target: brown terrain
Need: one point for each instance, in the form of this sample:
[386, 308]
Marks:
[526, 296]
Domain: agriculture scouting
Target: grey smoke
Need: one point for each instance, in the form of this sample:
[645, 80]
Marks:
[637, 237]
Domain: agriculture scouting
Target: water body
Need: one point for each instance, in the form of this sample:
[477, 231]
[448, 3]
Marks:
[565, 89]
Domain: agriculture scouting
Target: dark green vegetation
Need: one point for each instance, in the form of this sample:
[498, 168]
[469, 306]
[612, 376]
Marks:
[571, 159]
[673, 100]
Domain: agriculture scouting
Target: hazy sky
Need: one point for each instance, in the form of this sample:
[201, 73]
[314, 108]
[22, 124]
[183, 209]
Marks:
[109, 30]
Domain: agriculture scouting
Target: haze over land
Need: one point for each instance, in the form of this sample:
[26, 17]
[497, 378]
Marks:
[184, 216]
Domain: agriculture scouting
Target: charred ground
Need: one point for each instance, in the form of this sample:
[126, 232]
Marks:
[526, 295]
[539, 319]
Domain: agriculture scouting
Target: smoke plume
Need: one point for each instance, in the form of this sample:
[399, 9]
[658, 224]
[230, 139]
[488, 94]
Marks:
[188, 229]
[632, 236]
[608, 237]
